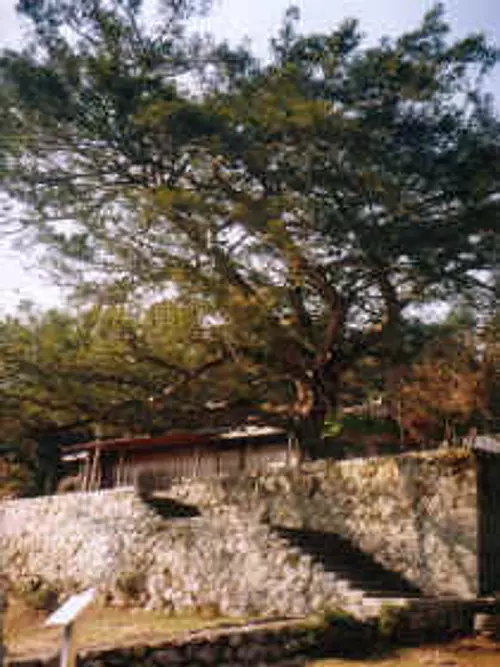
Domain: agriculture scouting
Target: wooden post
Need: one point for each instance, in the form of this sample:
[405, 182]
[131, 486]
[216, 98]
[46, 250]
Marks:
[86, 473]
[197, 462]
[119, 470]
[99, 469]
[95, 475]
[92, 471]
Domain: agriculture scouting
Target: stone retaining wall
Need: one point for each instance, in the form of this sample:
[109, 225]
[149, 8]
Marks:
[286, 643]
[415, 514]
[236, 647]
[224, 559]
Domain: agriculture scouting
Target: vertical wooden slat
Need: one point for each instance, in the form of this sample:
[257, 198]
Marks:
[197, 459]
[119, 469]
[86, 474]
[93, 473]
[98, 469]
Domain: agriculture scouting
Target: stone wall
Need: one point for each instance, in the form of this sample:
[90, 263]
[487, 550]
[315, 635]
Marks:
[223, 559]
[415, 514]
[283, 643]
[253, 646]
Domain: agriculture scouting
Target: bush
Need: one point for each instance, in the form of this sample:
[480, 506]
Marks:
[208, 611]
[345, 634]
[70, 484]
[131, 585]
[38, 594]
[390, 621]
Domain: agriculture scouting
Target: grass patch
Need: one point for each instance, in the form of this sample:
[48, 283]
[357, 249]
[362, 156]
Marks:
[99, 626]
[105, 627]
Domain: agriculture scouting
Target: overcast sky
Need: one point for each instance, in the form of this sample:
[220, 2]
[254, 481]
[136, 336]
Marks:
[258, 20]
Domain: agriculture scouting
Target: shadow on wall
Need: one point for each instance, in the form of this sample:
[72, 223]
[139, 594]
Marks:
[339, 555]
[171, 509]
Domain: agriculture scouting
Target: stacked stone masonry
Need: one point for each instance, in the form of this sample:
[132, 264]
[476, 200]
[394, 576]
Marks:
[416, 514]
[278, 644]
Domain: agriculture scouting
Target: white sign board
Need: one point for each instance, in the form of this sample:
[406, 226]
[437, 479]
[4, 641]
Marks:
[68, 612]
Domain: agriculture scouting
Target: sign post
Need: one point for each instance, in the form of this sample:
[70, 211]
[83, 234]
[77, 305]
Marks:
[65, 617]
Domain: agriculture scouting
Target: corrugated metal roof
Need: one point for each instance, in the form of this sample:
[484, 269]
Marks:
[166, 440]
[179, 440]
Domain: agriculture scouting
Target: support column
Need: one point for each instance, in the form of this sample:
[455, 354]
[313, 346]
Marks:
[67, 655]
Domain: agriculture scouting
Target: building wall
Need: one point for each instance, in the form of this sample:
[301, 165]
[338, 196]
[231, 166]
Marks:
[154, 469]
[415, 514]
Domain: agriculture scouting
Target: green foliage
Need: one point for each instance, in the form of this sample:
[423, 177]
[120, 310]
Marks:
[131, 585]
[16, 478]
[70, 377]
[332, 427]
[308, 204]
[365, 425]
[390, 621]
[104, 371]
[38, 594]
[340, 619]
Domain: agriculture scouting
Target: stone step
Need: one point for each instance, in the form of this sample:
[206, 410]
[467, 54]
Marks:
[362, 583]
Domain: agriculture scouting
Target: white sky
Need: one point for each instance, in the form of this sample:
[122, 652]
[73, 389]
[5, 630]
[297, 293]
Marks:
[259, 20]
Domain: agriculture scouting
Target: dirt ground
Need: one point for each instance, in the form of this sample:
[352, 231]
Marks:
[26, 636]
[470, 652]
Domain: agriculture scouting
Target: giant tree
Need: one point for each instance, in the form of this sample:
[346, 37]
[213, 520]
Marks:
[309, 202]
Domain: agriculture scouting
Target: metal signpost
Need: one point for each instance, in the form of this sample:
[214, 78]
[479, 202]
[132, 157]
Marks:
[65, 616]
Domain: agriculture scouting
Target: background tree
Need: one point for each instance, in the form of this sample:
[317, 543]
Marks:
[447, 391]
[309, 203]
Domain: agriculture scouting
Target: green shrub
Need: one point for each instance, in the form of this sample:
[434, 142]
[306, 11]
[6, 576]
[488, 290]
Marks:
[38, 594]
[339, 618]
[208, 611]
[389, 621]
[131, 584]
[332, 427]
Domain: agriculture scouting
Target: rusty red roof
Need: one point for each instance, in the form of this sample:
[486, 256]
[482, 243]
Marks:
[180, 439]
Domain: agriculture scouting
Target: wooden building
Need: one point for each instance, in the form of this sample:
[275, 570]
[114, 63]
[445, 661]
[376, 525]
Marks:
[153, 462]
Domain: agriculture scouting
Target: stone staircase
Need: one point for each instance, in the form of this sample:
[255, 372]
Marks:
[358, 583]
[363, 584]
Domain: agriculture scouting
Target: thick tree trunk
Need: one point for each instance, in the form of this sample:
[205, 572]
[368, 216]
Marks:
[308, 430]
[311, 409]
[392, 345]
[48, 464]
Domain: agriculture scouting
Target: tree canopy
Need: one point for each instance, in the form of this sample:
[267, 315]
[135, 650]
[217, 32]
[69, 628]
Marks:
[309, 203]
